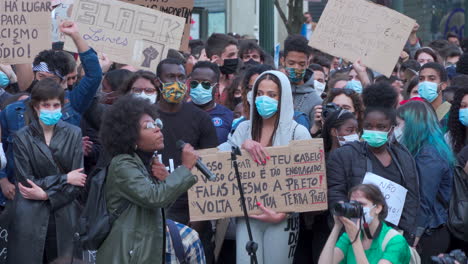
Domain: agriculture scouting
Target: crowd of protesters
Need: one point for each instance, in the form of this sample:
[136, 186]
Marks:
[68, 115]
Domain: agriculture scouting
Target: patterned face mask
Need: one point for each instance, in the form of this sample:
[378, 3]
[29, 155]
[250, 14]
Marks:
[295, 75]
[173, 92]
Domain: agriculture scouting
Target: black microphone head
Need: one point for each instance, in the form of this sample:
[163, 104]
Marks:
[180, 144]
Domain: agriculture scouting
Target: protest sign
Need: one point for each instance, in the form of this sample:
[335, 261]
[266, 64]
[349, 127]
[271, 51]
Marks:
[293, 180]
[127, 33]
[395, 195]
[181, 8]
[60, 13]
[24, 30]
[360, 29]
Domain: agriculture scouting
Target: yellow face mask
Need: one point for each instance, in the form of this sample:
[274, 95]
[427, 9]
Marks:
[173, 92]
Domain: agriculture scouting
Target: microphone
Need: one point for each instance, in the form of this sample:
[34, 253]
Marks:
[200, 166]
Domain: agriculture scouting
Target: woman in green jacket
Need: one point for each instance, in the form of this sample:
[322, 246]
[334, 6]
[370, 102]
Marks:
[131, 133]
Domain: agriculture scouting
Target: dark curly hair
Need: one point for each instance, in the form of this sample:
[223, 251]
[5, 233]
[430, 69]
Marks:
[355, 97]
[120, 126]
[297, 43]
[456, 129]
[380, 97]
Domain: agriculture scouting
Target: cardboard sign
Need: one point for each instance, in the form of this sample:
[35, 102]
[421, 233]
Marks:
[293, 180]
[395, 195]
[360, 29]
[24, 30]
[182, 8]
[127, 33]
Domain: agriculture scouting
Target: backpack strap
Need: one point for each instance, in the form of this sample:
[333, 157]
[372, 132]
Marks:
[176, 240]
[114, 215]
[390, 234]
[294, 132]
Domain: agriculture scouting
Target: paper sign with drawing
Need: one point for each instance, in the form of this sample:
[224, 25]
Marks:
[127, 33]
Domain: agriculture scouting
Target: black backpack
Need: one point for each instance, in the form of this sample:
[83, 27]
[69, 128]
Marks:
[458, 208]
[96, 221]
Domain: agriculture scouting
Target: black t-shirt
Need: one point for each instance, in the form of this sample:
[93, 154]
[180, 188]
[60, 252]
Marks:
[194, 126]
[391, 172]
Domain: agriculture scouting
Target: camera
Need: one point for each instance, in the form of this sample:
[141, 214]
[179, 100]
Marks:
[329, 109]
[352, 209]
[450, 258]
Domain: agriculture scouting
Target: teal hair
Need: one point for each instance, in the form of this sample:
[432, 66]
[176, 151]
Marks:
[422, 128]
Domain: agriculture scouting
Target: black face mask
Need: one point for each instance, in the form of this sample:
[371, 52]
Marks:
[237, 100]
[251, 62]
[230, 66]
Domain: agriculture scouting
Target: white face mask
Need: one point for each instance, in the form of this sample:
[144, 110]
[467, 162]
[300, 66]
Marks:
[249, 97]
[320, 87]
[398, 133]
[348, 139]
[367, 215]
[151, 98]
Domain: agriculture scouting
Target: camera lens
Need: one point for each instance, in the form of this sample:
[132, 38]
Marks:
[348, 210]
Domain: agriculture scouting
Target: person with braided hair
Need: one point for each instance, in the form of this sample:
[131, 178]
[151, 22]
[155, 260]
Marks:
[458, 121]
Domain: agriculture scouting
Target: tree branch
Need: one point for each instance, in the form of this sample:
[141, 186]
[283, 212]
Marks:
[282, 15]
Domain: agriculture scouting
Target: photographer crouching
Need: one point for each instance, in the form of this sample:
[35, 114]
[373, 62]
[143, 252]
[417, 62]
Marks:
[368, 239]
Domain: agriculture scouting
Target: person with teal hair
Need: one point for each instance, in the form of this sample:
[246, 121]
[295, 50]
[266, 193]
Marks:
[419, 130]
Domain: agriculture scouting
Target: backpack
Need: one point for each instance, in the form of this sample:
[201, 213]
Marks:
[458, 207]
[415, 258]
[96, 221]
[176, 241]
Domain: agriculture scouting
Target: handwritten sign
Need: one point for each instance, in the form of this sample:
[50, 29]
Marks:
[293, 180]
[395, 195]
[182, 8]
[127, 33]
[24, 30]
[360, 29]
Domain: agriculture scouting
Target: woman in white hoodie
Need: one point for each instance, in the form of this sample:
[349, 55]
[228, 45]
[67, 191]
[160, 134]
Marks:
[271, 124]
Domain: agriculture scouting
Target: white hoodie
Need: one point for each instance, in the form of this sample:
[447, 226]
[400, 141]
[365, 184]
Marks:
[286, 126]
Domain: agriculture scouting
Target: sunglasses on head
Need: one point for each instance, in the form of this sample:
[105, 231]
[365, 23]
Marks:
[346, 91]
[205, 84]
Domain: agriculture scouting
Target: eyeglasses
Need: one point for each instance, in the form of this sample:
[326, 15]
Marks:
[205, 84]
[347, 91]
[152, 125]
[148, 91]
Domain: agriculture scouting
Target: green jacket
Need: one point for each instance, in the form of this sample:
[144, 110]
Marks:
[138, 236]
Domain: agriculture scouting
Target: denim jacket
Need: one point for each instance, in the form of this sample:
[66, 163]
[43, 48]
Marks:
[77, 102]
[435, 178]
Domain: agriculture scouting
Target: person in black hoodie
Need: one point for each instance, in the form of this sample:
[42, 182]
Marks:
[347, 166]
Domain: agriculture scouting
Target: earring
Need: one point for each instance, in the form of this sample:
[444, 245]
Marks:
[136, 146]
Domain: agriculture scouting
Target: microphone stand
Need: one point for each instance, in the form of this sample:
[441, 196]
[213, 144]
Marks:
[251, 245]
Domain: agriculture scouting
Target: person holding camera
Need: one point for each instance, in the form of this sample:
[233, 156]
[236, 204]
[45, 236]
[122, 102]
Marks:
[367, 238]
[348, 165]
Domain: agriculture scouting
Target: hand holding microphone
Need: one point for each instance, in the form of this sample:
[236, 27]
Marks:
[190, 158]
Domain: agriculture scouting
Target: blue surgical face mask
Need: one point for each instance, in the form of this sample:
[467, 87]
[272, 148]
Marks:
[463, 116]
[375, 138]
[4, 80]
[200, 95]
[266, 106]
[428, 91]
[354, 85]
[50, 117]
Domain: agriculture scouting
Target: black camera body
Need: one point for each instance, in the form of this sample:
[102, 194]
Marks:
[328, 109]
[450, 258]
[352, 209]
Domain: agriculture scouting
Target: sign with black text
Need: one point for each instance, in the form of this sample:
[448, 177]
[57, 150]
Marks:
[25, 27]
[293, 180]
